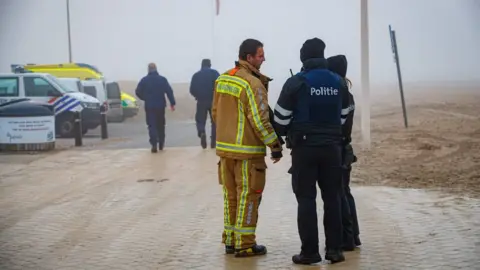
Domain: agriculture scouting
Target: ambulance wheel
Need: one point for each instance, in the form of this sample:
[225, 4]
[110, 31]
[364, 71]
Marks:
[66, 126]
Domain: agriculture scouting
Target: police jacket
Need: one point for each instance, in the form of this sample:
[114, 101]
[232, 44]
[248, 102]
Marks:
[203, 82]
[152, 89]
[240, 113]
[313, 106]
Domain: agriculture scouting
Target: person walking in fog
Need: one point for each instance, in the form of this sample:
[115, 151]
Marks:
[152, 90]
[202, 88]
[338, 64]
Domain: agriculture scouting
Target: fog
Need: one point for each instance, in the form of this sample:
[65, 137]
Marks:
[438, 40]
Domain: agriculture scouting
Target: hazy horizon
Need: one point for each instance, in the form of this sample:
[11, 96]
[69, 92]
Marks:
[437, 40]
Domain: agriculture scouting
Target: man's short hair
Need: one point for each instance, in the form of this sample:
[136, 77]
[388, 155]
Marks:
[249, 46]
[152, 67]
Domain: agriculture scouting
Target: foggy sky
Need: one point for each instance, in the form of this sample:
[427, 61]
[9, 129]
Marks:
[437, 39]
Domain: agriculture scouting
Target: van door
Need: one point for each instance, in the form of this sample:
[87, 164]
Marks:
[114, 99]
[37, 88]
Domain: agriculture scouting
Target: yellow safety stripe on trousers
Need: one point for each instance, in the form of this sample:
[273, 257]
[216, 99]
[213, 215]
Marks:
[268, 138]
[226, 208]
[245, 230]
[243, 201]
[228, 88]
[240, 124]
[239, 148]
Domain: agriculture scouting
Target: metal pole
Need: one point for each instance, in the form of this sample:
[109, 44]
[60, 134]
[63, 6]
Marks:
[365, 73]
[103, 121]
[214, 14]
[78, 128]
[69, 34]
[399, 74]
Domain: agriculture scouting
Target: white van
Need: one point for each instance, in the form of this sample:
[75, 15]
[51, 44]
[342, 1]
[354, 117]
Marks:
[47, 88]
[108, 96]
[72, 83]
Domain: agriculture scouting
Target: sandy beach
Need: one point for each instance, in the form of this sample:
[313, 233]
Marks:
[439, 150]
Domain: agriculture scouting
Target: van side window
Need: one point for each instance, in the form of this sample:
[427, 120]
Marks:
[38, 87]
[8, 87]
[113, 91]
[90, 90]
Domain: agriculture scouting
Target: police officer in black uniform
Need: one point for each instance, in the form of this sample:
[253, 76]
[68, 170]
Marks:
[309, 112]
[338, 64]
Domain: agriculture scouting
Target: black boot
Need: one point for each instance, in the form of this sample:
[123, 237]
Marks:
[302, 259]
[349, 245]
[203, 140]
[357, 240]
[229, 249]
[251, 251]
[334, 255]
[154, 149]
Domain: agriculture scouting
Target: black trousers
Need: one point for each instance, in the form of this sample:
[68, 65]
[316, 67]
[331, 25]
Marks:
[349, 210]
[322, 165]
[204, 108]
[156, 126]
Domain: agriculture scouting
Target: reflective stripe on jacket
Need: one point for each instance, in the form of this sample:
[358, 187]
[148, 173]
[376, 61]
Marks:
[240, 112]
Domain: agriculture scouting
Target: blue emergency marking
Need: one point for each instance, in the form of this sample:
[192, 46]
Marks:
[67, 103]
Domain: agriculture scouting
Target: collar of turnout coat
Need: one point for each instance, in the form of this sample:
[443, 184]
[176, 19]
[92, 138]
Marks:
[244, 64]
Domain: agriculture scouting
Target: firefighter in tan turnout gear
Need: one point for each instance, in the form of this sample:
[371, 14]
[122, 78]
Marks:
[241, 114]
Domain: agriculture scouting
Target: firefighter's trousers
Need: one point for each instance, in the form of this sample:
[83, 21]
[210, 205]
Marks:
[243, 182]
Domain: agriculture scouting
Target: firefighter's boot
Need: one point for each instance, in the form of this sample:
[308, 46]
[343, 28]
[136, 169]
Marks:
[251, 251]
[229, 250]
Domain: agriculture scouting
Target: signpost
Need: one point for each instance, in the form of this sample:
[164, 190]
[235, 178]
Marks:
[393, 40]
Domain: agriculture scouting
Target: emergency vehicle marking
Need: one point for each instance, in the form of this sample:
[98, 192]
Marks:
[65, 103]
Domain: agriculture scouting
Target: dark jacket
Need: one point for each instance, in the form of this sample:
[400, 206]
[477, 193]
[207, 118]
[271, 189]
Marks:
[203, 83]
[287, 105]
[152, 89]
[338, 64]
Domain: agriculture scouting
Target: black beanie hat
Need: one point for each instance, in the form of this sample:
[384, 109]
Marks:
[312, 48]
